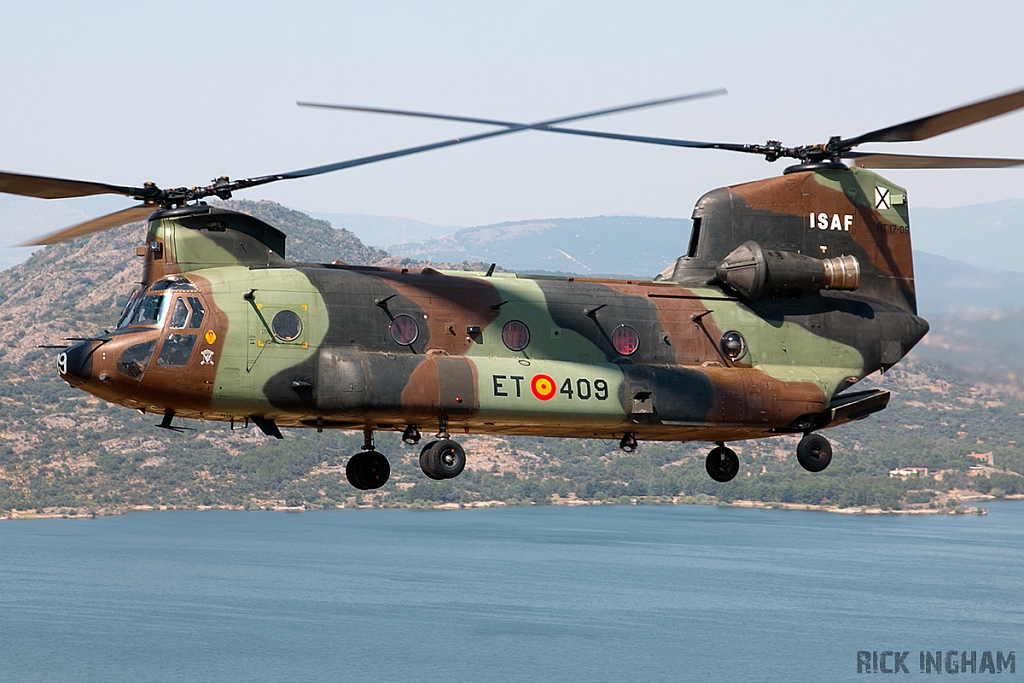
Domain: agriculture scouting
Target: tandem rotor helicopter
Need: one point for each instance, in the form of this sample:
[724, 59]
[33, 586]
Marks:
[792, 289]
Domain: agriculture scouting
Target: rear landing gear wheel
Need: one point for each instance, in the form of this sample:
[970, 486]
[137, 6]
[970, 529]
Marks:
[367, 470]
[722, 464]
[814, 452]
[426, 464]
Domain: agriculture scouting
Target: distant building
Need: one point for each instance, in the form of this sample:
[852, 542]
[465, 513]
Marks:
[909, 472]
[987, 457]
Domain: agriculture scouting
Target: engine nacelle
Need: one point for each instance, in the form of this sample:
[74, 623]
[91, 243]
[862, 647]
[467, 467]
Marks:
[756, 272]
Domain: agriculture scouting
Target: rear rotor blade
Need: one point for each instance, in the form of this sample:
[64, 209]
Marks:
[512, 124]
[327, 168]
[672, 142]
[111, 220]
[407, 112]
[874, 160]
[510, 127]
[59, 188]
[943, 122]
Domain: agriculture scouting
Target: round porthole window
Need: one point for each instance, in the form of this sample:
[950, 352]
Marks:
[516, 335]
[287, 325]
[625, 340]
[734, 346]
[404, 330]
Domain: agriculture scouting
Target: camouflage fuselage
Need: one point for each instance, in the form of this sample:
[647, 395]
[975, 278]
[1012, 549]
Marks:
[387, 348]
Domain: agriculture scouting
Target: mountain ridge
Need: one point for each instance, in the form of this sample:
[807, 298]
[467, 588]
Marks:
[63, 452]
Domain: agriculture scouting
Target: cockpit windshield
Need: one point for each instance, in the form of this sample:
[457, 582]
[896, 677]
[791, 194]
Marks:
[129, 308]
[151, 310]
[149, 306]
[173, 282]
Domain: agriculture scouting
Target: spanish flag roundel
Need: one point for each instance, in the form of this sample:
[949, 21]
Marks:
[543, 387]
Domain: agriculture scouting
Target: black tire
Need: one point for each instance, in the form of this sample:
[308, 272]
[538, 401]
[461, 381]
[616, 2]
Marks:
[448, 459]
[375, 471]
[367, 470]
[426, 461]
[814, 452]
[722, 464]
[353, 469]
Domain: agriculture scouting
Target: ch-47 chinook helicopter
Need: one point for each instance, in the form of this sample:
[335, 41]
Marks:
[793, 289]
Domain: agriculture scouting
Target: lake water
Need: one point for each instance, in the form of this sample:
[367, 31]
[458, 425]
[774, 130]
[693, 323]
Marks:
[522, 594]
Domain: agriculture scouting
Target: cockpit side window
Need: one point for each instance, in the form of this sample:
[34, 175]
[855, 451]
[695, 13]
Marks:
[129, 308]
[197, 312]
[176, 350]
[179, 315]
[135, 359]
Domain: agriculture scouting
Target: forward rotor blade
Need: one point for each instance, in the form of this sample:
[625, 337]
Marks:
[111, 220]
[58, 188]
[873, 160]
[943, 122]
[55, 188]
[512, 124]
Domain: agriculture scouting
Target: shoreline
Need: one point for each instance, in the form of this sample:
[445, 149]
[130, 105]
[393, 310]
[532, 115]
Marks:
[274, 506]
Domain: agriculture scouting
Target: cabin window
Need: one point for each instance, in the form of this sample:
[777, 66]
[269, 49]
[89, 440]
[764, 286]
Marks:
[179, 315]
[197, 312]
[404, 330]
[734, 346]
[694, 238]
[135, 359]
[516, 335]
[176, 350]
[625, 340]
[151, 310]
[287, 325]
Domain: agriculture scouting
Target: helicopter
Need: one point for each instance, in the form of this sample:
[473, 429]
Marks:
[792, 290]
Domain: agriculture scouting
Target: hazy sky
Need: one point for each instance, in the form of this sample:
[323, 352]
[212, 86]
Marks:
[181, 92]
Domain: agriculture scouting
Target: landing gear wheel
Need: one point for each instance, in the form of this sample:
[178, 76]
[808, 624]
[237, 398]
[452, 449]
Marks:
[448, 459]
[426, 464]
[367, 470]
[722, 464]
[814, 452]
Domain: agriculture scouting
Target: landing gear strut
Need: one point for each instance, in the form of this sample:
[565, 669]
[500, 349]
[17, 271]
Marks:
[814, 452]
[411, 435]
[443, 459]
[629, 444]
[722, 463]
[367, 469]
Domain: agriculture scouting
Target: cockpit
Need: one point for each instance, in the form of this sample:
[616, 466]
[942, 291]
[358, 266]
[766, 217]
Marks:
[149, 306]
[172, 304]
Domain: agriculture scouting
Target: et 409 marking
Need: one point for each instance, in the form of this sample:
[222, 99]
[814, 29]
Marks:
[543, 387]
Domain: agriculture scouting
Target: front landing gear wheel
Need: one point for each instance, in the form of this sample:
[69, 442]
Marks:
[367, 470]
[814, 452]
[722, 464]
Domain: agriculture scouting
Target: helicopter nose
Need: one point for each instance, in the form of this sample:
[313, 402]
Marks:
[75, 363]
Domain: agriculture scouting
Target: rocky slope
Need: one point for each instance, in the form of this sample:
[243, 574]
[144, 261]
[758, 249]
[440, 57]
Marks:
[64, 452]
